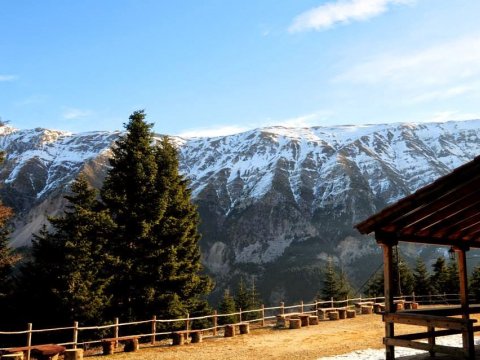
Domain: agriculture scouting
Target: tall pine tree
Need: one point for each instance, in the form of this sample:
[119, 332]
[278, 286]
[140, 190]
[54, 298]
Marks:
[440, 276]
[423, 285]
[69, 271]
[156, 237]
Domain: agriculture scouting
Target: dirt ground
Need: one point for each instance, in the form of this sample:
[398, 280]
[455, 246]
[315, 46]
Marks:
[326, 339]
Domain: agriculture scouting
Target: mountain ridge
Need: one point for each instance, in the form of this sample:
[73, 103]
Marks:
[274, 202]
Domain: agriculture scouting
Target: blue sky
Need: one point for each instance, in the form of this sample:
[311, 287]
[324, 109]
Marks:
[210, 67]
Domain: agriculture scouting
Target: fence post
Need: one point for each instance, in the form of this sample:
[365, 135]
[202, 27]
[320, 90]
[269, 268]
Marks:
[301, 306]
[29, 339]
[240, 314]
[263, 315]
[282, 308]
[154, 328]
[331, 302]
[215, 323]
[115, 329]
[187, 324]
[75, 334]
[347, 302]
[413, 296]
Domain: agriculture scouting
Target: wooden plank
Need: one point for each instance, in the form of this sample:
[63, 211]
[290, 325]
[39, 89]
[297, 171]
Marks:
[443, 310]
[467, 334]
[455, 351]
[425, 335]
[428, 320]
[388, 291]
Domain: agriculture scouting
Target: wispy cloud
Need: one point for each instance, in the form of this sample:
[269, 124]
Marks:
[4, 78]
[341, 12]
[213, 131]
[73, 113]
[32, 100]
[448, 115]
[451, 62]
[307, 120]
[442, 94]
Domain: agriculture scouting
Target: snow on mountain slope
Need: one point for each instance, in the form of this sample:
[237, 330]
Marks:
[269, 199]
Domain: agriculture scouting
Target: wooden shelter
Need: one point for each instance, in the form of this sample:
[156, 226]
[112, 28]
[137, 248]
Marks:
[446, 212]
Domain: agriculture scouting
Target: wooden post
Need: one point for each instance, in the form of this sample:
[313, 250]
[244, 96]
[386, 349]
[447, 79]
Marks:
[431, 339]
[187, 324]
[331, 302]
[29, 339]
[263, 315]
[240, 314]
[467, 335]
[301, 306]
[282, 308]
[388, 291]
[115, 332]
[75, 334]
[154, 329]
[215, 323]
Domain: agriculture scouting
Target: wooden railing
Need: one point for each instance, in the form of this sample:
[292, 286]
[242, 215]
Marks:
[263, 314]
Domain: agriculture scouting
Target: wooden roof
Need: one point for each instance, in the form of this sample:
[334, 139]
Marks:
[446, 212]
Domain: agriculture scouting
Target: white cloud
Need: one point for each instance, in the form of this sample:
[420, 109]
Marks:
[213, 131]
[295, 122]
[446, 63]
[442, 94]
[448, 115]
[8, 78]
[341, 11]
[72, 113]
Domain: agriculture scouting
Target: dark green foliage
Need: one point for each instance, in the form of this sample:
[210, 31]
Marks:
[452, 285]
[156, 237]
[403, 279]
[68, 274]
[247, 299]
[422, 283]
[440, 276]
[335, 284]
[474, 283]
[227, 306]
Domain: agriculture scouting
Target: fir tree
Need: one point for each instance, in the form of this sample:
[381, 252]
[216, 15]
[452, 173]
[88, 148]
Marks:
[422, 283]
[405, 280]
[474, 283]
[330, 287]
[440, 276]
[156, 238]
[247, 299]
[227, 306]
[452, 285]
[69, 271]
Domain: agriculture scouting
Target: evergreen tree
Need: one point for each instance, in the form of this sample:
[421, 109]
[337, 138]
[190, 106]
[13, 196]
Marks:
[375, 286]
[474, 283]
[247, 299]
[227, 306]
[330, 283]
[345, 290]
[422, 285]
[69, 270]
[156, 237]
[452, 285]
[405, 279]
[440, 276]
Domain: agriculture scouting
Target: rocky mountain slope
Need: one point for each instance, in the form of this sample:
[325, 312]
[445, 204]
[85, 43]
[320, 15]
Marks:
[274, 202]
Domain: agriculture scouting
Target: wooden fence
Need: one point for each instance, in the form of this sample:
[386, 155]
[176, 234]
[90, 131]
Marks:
[262, 315]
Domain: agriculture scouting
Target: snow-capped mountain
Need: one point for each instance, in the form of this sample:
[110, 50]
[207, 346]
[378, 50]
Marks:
[274, 202]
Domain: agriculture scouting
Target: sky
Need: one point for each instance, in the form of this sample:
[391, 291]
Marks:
[215, 67]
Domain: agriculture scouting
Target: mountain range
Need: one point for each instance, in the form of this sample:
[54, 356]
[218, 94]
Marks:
[275, 203]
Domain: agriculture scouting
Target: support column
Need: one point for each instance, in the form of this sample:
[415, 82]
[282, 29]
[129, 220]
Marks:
[467, 335]
[388, 291]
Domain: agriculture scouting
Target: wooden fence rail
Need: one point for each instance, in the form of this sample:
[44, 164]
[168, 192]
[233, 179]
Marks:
[266, 313]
